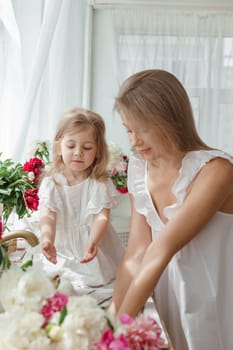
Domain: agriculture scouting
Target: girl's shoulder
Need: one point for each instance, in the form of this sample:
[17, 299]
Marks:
[101, 194]
[103, 185]
[52, 181]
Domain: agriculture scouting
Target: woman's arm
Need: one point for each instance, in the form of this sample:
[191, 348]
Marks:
[48, 231]
[98, 230]
[139, 240]
[211, 191]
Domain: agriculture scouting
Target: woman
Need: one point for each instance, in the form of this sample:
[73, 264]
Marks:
[181, 233]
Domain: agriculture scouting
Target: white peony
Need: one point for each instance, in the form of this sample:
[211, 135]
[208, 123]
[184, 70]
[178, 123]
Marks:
[115, 156]
[83, 324]
[20, 330]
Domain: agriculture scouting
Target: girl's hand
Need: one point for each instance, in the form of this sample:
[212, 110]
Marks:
[49, 251]
[90, 253]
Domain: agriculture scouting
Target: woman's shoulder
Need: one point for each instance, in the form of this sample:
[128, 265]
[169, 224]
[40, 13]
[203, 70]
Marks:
[195, 161]
[202, 157]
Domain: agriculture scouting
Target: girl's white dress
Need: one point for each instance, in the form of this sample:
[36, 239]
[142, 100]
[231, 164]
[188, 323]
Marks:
[75, 207]
[195, 292]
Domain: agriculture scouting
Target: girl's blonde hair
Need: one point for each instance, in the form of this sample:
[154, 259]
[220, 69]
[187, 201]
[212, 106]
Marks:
[82, 119]
[157, 97]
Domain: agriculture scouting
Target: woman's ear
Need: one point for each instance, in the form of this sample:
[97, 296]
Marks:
[57, 148]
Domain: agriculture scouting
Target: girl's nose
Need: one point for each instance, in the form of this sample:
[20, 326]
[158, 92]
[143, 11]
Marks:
[78, 152]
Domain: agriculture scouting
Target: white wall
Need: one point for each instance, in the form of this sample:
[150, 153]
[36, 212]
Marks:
[104, 85]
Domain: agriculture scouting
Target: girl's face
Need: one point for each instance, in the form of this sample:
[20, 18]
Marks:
[78, 150]
[144, 138]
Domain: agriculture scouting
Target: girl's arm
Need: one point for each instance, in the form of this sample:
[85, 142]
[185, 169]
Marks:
[98, 230]
[48, 231]
[211, 191]
[139, 240]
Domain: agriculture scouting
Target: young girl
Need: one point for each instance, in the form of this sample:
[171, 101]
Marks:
[76, 197]
[181, 233]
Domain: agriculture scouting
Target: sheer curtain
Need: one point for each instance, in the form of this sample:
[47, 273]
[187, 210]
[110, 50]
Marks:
[48, 72]
[197, 47]
[11, 76]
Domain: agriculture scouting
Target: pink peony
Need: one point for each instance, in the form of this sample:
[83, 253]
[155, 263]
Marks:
[54, 304]
[109, 342]
[126, 319]
[144, 333]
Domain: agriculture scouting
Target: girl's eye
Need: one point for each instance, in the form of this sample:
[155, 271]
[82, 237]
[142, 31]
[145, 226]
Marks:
[87, 148]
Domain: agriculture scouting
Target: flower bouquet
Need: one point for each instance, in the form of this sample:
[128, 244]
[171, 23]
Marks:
[19, 183]
[19, 189]
[117, 167]
[39, 311]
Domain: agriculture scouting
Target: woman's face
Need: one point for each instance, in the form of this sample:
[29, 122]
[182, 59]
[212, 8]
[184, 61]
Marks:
[144, 137]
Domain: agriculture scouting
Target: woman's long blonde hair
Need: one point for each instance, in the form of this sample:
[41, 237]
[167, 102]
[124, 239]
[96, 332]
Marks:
[157, 97]
[82, 119]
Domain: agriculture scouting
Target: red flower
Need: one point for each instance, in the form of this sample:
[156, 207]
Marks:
[122, 189]
[31, 198]
[34, 165]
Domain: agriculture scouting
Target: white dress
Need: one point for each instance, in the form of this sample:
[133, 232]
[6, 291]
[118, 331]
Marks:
[75, 207]
[195, 292]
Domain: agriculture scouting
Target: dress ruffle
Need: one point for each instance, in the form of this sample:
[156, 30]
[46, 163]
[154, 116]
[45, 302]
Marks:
[192, 163]
[49, 195]
[104, 195]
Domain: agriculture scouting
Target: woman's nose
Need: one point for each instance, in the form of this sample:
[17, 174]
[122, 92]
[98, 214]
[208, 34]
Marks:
[134, 139]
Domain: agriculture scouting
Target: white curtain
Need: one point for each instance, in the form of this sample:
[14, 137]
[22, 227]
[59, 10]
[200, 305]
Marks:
[48, 71]
[197, 47]
[11, 76]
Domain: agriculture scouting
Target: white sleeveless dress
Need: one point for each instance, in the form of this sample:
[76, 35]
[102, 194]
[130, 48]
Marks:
[75, 207]
[195, 292]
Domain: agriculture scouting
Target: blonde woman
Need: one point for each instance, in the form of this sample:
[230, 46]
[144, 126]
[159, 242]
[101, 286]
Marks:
[181, 234]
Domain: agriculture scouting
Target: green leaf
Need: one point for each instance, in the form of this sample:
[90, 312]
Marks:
[26, 264]
[63, 314]
[4, 258]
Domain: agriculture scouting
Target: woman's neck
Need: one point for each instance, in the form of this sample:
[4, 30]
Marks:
[165, 161]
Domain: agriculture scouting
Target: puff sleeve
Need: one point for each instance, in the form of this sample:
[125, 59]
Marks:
[49, 194]
[103, 195]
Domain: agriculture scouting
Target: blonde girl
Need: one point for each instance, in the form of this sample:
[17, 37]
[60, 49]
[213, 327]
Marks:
[76, 198]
